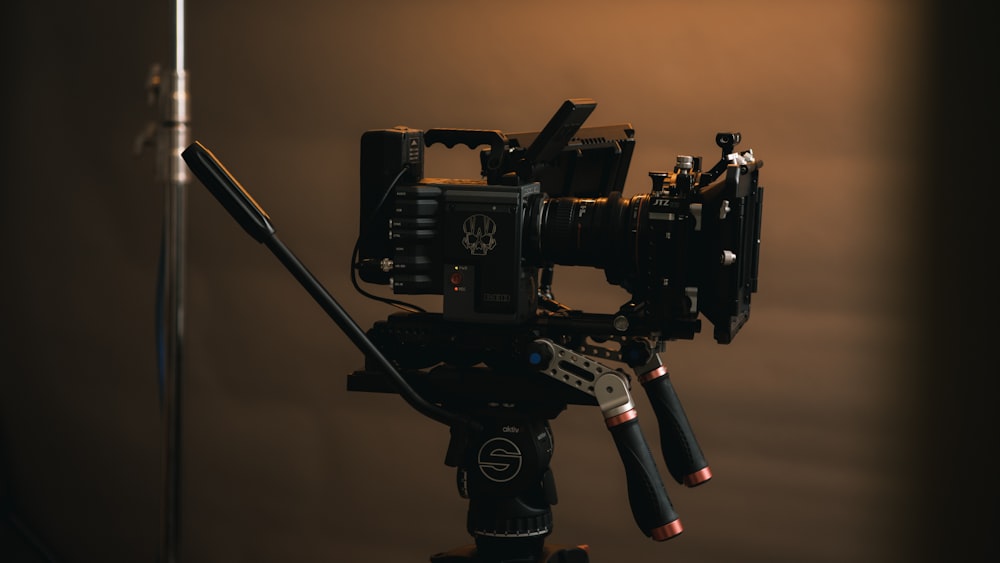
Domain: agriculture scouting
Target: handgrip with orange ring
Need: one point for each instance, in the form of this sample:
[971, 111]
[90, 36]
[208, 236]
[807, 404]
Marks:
[651, 508]
[681, 452]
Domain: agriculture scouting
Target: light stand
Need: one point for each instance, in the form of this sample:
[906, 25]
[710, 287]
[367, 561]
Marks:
[169, 91]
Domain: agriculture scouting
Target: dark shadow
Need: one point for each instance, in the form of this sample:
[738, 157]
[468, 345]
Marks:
[954, 485]
[18, 542]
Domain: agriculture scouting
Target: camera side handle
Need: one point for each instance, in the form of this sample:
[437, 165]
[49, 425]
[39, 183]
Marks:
[228, 191]
[242, 207]
[681, 452]
[651, 507]
[471, 138]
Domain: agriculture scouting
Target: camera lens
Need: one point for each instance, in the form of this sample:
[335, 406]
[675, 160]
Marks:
[600, 232]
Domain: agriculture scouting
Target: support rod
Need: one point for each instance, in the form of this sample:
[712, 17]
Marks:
[172, 139]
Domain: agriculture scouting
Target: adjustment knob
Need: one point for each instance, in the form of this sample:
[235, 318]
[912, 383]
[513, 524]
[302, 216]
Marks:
[538, 355]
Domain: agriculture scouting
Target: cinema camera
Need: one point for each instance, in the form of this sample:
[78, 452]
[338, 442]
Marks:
[554, 197]
[503, 357]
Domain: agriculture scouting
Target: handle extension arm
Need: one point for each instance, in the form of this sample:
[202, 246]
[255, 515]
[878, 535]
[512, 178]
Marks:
[255, 221]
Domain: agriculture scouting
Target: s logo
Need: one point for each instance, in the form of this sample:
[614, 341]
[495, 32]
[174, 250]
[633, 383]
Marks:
[499, 460]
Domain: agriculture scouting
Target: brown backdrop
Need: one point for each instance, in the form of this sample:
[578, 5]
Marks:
[812, 419]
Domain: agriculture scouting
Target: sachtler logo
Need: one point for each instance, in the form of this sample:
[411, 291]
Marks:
[479, 236]
[499, 460]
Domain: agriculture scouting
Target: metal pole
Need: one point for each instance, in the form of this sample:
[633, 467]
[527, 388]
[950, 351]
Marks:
[174, 138]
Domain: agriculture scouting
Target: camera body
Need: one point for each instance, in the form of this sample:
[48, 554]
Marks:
[462, 239]
[687, 248]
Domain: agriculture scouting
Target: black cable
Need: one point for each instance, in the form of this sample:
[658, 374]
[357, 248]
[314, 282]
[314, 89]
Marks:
[408, 307]
[355, 254]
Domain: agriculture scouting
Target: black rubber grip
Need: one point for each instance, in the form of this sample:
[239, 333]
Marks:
[683, 456]
[228, 191]
[647, 496]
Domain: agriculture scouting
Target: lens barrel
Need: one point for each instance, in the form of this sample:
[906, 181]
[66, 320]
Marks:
[600, 232]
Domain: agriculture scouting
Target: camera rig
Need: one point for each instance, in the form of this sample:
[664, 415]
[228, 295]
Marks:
[503, 357]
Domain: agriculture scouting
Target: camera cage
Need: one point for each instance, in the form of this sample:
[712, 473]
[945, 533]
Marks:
[700, 237]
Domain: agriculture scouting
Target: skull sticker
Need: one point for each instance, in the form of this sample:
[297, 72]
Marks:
[479, 234]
